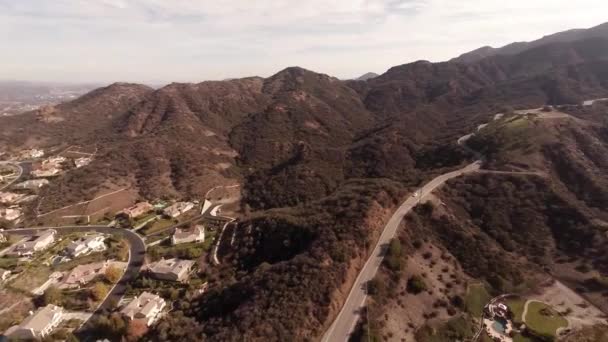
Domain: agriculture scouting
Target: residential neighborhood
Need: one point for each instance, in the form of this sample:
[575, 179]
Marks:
[181, 236]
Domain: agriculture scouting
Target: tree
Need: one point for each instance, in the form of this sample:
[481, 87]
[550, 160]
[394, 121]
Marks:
[99, 291]
[113, 274]
[136, 329]
[52, 295]
[415, 285]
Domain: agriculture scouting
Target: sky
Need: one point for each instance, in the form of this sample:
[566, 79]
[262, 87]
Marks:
[159, 41]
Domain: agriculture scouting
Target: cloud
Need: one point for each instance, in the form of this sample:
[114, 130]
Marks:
[188, 40]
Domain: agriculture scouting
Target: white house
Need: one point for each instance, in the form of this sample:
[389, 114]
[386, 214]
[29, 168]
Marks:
[4, 274]
[171, 269]
[35, 243]
[195, 234]
[10, 214]
[146, 307]
[38, 325]
[178, 208]
[86, 245]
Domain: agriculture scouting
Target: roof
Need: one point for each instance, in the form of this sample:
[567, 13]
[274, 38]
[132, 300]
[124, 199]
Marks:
[171, 266]
[144, 303]
[185, 233]
[41, 318]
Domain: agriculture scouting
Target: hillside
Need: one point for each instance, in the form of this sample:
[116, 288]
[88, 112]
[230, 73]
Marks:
[322, 163]
[600, 31]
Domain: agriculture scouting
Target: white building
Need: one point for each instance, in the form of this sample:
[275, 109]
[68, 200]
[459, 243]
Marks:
[33, 153]
[171, 269]
[44, 173]
[195, 234]
[178, 208]
[38, 325]
[33, 184]
[10, 214]
[10, 197]
[35, 244]
[4, 274]
[80, 162]
[86, 245]
[146, 307]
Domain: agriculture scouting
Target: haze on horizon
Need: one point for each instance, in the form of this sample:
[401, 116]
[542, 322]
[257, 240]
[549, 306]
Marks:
[157, 41]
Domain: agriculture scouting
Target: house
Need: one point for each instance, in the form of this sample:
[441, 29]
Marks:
[146, 307]
[10, 197]
[33, 153]
[38, 325]
[44, 173]
[80, 162]
[35, 243]
[33, 184]
[11, 213]
[86, 245]
[83, 274]
[171, 269]
[138, 209]
[3, 237]
[4, 274]
[178, 208]
[196, 234]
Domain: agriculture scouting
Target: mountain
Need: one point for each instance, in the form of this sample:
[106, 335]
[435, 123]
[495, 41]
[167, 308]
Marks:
[367, 76]
[600, 31]
[323, 163]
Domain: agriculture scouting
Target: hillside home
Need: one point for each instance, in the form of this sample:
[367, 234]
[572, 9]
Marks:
[38, 325]
[145, 307]
[33, 184]
[3, 238]
[10, 197]
[178, 209]
[4, 274]
[171, 269]
[11, 213]
[137, 210]
[86, 245]
[193, 234]
[83, 274]
[80, 162]
[35, 244]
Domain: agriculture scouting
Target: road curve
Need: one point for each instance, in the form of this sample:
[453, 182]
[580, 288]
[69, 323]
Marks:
[16, 178]
[137, 254]
[346, 320]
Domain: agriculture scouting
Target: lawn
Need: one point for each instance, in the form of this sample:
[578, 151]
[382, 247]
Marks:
[477, 297]
[31, 278]
[516, 305]
[522, 338]
[543, 319]
[156, 226]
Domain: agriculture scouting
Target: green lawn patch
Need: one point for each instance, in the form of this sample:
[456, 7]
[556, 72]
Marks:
[31, 278]
[517, 307]
[156, 226]
[543, 319]
[522, 338]
[477, 297]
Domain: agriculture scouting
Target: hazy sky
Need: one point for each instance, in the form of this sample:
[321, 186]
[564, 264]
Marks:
[186, 40]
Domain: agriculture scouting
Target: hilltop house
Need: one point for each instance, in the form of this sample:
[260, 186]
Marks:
[86, 245]
[11, 213]
[177, 209]
[137, 210]
[38, 325]
[171, 269]
[146, 307]
[3, 237]
[84, 161]
[195, 234]
[36, 243]
[10, 197]
[83, 274]
[4, 274]
[33, 184]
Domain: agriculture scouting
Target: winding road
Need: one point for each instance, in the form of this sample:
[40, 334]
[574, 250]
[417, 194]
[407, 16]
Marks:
[346, 320]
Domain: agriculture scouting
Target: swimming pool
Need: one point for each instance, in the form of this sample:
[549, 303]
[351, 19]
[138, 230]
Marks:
[500, 326]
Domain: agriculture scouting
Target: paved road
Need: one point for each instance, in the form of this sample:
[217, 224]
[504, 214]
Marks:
[137, 253]
[14, 179]
[346, 320]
